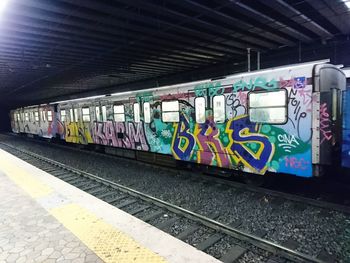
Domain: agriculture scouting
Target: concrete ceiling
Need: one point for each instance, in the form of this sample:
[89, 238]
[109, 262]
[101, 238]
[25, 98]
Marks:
[57, 49]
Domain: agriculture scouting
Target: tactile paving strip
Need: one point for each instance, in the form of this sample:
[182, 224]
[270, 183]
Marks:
[107, 242]
[23, 179]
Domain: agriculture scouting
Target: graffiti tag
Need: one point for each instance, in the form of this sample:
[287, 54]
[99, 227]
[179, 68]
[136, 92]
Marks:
[252, 84]
[325, 123]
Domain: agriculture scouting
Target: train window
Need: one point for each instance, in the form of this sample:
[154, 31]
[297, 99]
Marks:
[86, 114]
[268, 107]
[43, 115]
[18, 117]
[147, 112]
[76, 115]
[63, 115]
[136, 112]
[49, 115]
[98, 114]
[26, 116]
[104, 113]
[199, 105]
[36, 116]
[71, 115]
[170, 111]
[118, 112]
[219, 108]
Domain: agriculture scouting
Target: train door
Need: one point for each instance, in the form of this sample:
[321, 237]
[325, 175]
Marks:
[84, 124]
[71, 125]
[329, 83]
[62, 120]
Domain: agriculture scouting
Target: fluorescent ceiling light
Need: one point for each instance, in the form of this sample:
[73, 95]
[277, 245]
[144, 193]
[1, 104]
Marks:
[347, 3]
[3, 5]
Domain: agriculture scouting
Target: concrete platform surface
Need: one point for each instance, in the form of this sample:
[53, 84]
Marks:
[43, 219]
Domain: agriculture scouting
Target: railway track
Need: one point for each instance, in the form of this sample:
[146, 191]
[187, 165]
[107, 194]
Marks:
[203, 232]
[224, 181]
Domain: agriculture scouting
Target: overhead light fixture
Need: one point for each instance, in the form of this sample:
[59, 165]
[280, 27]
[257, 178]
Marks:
[347, 3]
[3, 4]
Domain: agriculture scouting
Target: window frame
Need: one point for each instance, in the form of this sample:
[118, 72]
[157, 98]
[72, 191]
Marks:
[205, 109]
[36, 116]
[103, 111]
[64, 115]
[138, 119]
[144, 112]
[123, 113]
[84, 115]
[71, 115]
[162, 111]
[269, 107]
[76, 116]
[49, 116]
[225, 118]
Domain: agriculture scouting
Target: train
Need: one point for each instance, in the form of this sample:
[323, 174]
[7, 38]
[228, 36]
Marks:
[292, 119]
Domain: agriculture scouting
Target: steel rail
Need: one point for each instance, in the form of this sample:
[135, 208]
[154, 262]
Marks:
[210, 178]
[236, 233]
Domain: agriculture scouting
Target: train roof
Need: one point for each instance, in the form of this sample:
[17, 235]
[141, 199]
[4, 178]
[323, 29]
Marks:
[237, 75]
[347, 72]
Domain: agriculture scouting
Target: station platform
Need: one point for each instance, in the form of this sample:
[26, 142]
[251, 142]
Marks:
[43, 219]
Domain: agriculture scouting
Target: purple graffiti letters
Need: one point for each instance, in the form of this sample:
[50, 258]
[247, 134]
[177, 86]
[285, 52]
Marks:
[243, 131]
[133, 136]
[295, 163]
[325, 123]
[183, 140]
[210, 147]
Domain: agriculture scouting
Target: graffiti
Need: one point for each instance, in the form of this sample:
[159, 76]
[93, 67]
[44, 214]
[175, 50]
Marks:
[287, 142]
[128, 135]
[183, 141]
[211, 151]
[325, 124]
[307, 97]
[295, 163]
[233, 101]
[77, 133]
[297, 115]
[260, 150]
[299, 83]
[258, 83]
[211, 89]
[174, 96]
[296, 83]
[237, 143]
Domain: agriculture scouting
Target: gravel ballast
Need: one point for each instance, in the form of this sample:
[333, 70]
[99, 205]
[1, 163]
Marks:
[313, 229]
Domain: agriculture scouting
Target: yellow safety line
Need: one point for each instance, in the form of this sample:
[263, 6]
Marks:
[24, 179]
[107, 242]
[110, 244]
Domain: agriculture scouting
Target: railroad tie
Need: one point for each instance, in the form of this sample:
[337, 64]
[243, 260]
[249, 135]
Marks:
[233, 254]
[188, 231]
[209, 241]
[153, 215]
[165, 224]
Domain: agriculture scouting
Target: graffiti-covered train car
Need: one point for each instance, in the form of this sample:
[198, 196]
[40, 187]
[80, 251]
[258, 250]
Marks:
[283, 120]
[36, 120]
